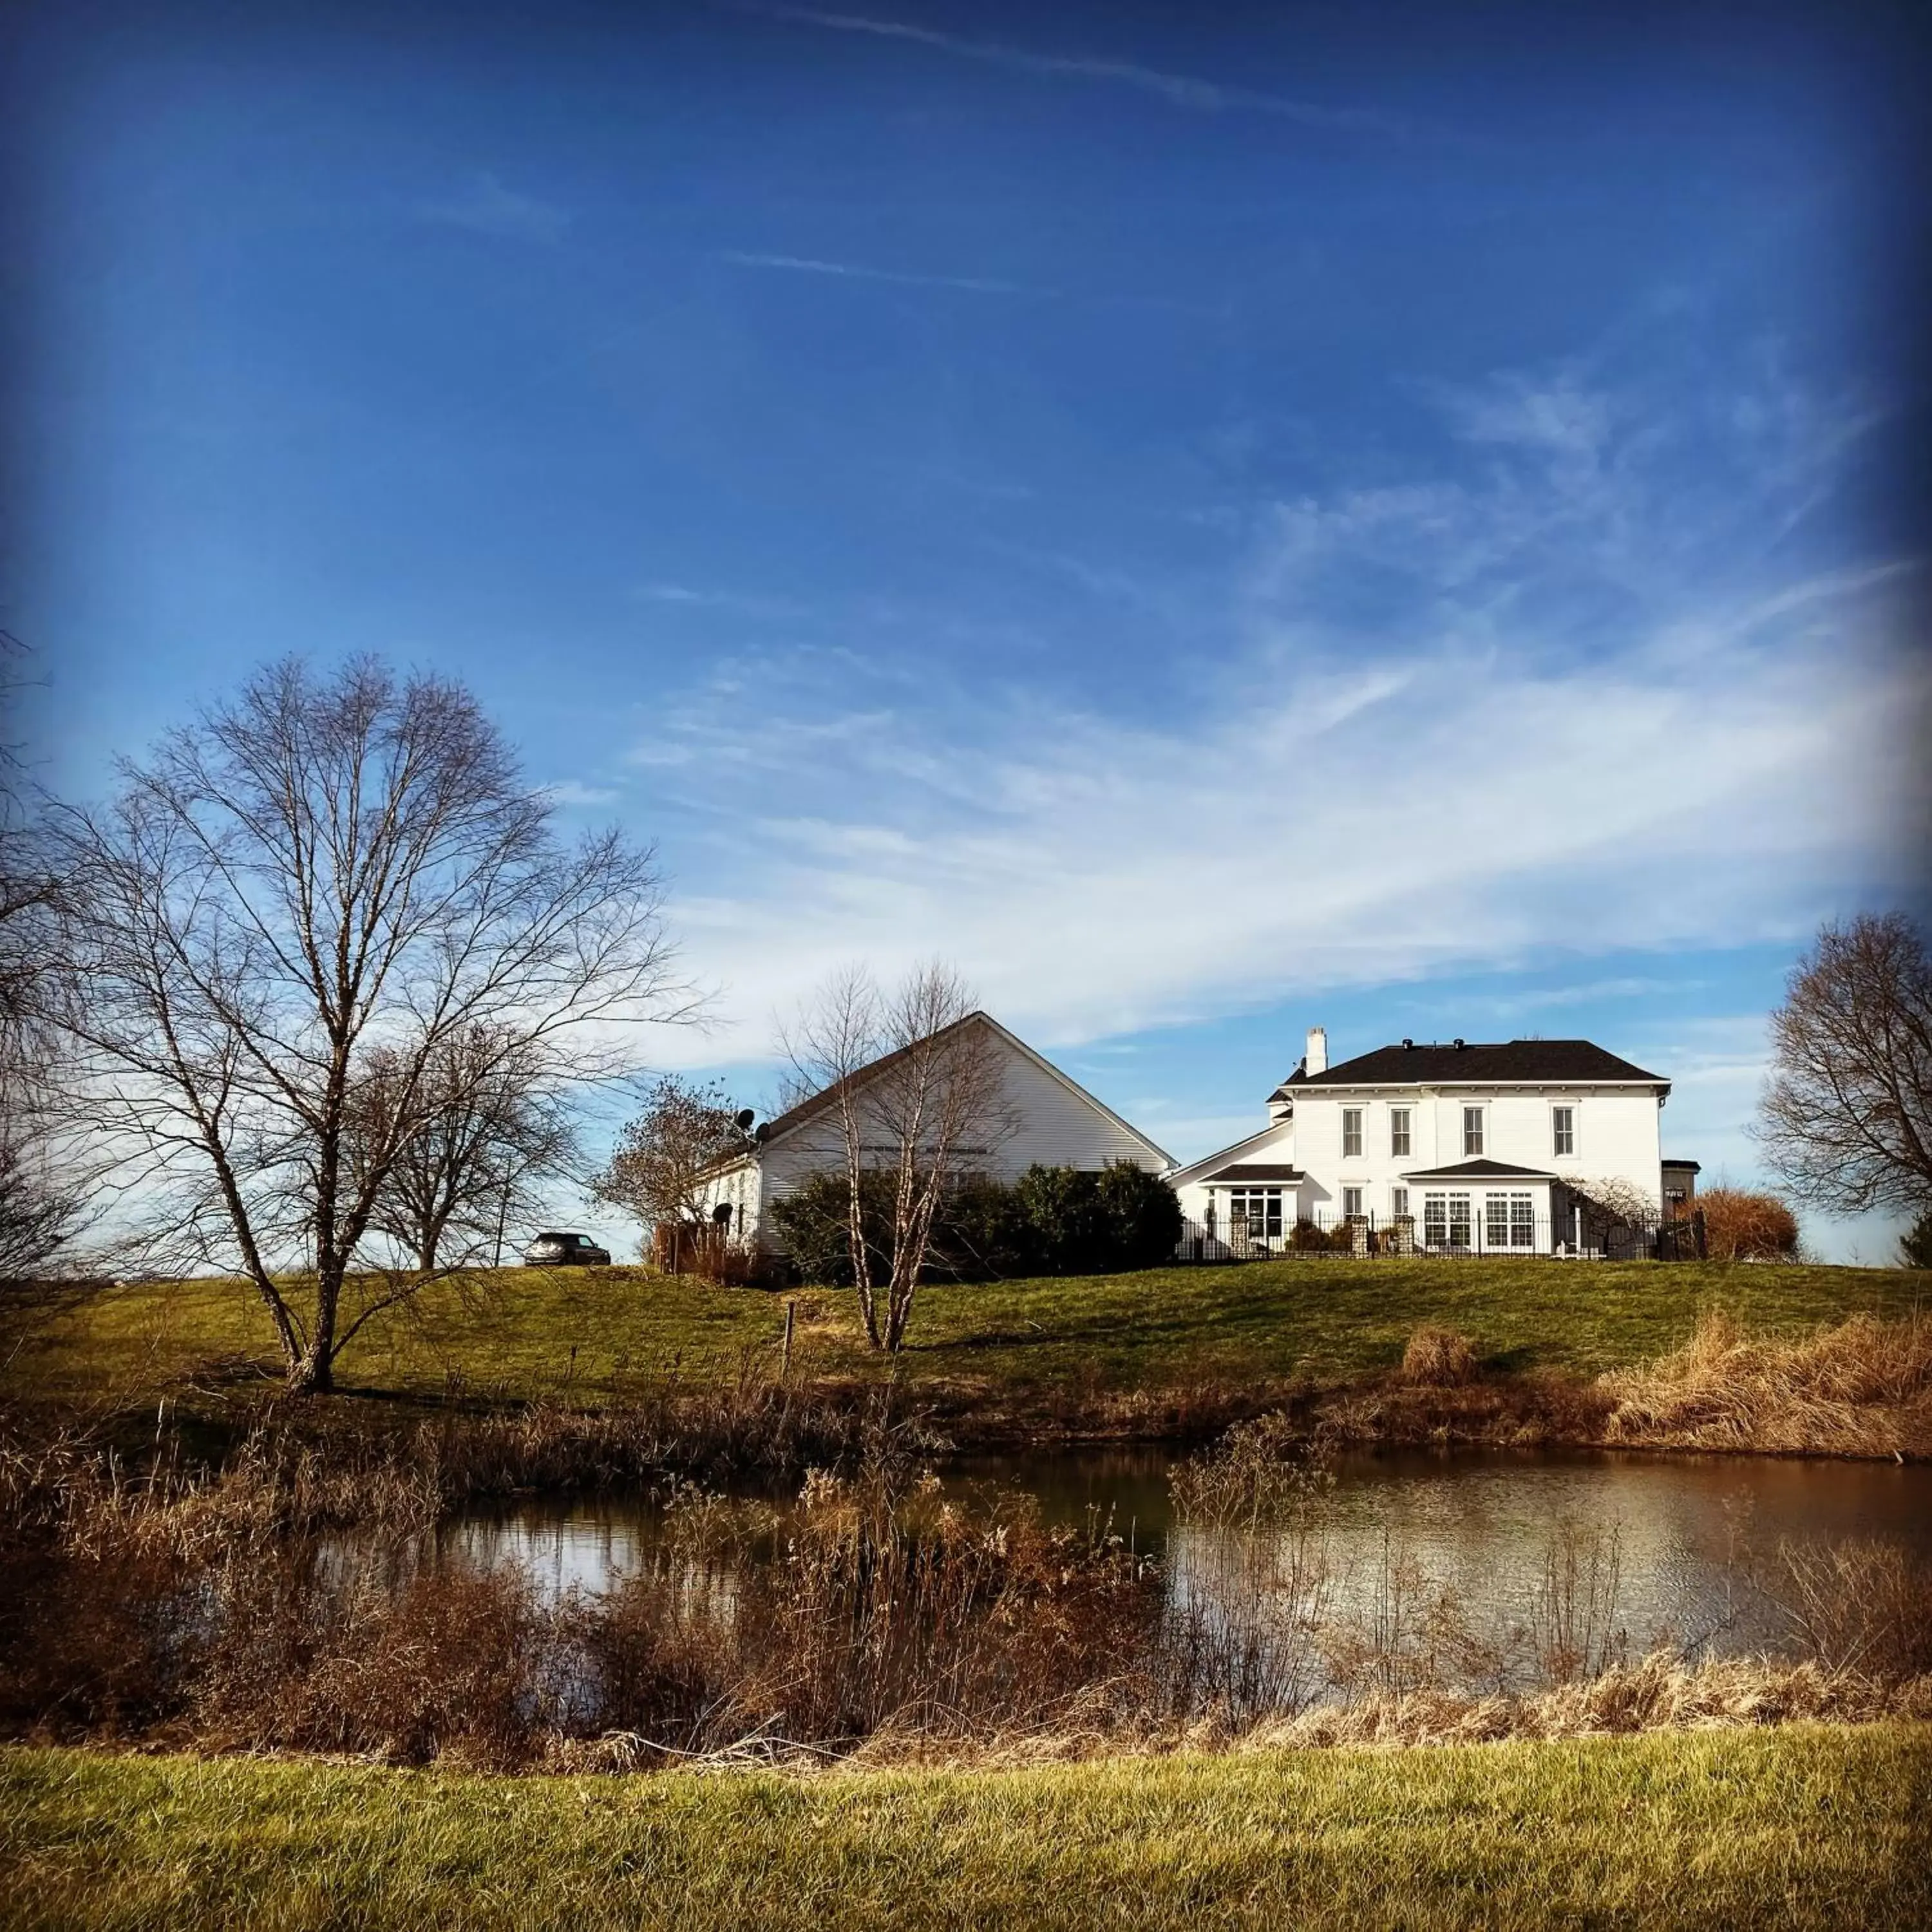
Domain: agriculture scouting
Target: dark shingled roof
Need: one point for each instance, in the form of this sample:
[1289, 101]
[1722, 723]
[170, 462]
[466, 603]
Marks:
[1255, 1170]
[1481, 1170]
[1513, 1063]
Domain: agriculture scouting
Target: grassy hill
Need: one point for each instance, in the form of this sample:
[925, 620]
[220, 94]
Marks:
[596, 1336]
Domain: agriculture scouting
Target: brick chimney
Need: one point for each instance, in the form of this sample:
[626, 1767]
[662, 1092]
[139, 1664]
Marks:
[1318, 1051]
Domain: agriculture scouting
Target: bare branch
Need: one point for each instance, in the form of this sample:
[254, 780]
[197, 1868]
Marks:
[334, 959]
[912, 1085]
[1847, 1113]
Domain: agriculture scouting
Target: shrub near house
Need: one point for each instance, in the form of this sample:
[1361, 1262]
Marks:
[1740, 1225]
[1050, 1221]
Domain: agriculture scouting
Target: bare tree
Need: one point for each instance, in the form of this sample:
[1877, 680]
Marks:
[908, 1083]
[664, 1158]
[47, 1188]
[1846, 1114]
[493, 1128]
[322, 868]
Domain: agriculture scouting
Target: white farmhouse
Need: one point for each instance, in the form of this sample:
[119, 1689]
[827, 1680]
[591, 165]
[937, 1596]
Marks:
[1461, 1147]
[1045, 1116]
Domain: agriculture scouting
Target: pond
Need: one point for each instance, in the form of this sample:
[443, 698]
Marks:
[1672, 1545]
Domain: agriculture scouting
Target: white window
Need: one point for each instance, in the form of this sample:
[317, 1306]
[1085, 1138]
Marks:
[1523, 1220]
[1495, 1221]
[1472, 1132]
[1446, 1221]
[1398, 1130]
[1399, 1203]
[1563, 1129]
[1255, 1212]
[1351, 1132]
[1352, 1204]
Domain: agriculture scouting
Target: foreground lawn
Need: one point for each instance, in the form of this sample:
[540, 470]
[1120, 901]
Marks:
[596, 1336]
[1802, 1826]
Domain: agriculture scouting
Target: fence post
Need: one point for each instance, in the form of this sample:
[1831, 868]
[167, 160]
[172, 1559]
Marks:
[1697, 1235]
[784, 1364]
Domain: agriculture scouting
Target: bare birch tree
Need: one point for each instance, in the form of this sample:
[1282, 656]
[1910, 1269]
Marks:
[324, 869]
[1846, 1115]
[908, 1083]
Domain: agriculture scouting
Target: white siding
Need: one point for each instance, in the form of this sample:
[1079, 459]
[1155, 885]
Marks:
[1276, 1150]
[1617, 1138]
[1058, 1127]
[1051, 1123]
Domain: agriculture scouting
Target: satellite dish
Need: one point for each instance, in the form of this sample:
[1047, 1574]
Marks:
[745, 1117]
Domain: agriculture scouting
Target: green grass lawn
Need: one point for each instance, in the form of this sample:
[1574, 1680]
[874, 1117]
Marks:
[1796, 1827]
[596, 1335]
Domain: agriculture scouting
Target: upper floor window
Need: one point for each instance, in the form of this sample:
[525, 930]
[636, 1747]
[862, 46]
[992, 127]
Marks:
[1398, 1130]
[1563, 1129]
[1472, 1131]
[1351, 1130]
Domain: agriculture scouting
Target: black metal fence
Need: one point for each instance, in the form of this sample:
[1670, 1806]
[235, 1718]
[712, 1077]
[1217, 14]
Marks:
[1459, 1227]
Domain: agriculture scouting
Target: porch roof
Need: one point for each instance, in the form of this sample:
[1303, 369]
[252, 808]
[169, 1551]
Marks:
[1481, 1170]
[1256, 1170]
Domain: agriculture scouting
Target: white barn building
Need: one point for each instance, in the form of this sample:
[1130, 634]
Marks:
[1046, 1116]
[1450, 1147]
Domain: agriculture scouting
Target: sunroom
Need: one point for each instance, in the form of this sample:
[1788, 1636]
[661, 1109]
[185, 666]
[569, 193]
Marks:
[1252, 1206]
[1483, 1206]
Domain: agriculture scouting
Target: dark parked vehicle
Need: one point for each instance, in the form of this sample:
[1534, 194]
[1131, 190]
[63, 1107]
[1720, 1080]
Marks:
[565, 1251]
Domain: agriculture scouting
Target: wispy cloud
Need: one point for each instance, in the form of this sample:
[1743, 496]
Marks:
[487, 207]
[1559, 414]
[1187, 92]
[1575, 993]
[573, 792]
[734, 603]
[1441, 722]
[806, 265]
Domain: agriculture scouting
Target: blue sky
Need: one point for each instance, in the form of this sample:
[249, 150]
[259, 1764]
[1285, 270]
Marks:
[1215, 524]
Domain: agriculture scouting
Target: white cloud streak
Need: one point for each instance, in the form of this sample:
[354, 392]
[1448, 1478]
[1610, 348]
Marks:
[806, 265]
[572, 793]
[1185, 91]
[487, 207]
[1103, 878]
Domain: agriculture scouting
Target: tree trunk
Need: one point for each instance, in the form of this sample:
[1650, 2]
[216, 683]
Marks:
[313, 1371]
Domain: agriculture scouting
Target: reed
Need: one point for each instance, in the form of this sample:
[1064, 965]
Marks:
[1438, 1358]
[1862, 1387]
[870, 1617]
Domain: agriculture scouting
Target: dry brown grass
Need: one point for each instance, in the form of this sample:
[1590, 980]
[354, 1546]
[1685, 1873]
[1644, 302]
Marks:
[1659, 1692]
[1438, 1358]
[1861, 1388]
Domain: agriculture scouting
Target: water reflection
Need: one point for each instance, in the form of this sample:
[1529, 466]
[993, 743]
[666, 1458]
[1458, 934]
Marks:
[1476, 1529]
